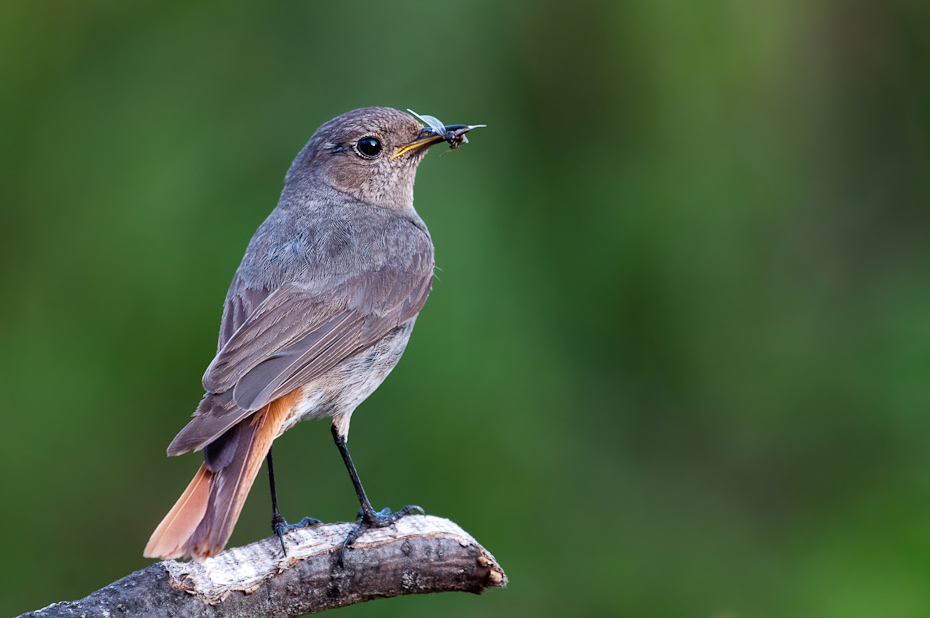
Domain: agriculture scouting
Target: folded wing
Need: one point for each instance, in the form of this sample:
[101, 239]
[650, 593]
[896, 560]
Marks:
[297, 333]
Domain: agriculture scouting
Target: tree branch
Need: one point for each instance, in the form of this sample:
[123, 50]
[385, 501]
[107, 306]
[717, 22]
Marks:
[418, 555]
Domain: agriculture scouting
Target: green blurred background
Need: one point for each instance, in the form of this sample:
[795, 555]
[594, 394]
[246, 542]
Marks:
[675, 364]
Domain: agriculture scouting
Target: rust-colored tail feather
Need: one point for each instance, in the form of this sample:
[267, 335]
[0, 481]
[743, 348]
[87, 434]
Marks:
[202, 520]
[171, 534]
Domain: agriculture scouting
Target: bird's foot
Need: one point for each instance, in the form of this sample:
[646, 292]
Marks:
[376, 519]
[279, 525]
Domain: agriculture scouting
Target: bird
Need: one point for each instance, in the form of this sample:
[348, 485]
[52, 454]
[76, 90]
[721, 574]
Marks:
[317, 315]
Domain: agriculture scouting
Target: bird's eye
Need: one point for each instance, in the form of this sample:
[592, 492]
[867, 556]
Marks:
[369, 146]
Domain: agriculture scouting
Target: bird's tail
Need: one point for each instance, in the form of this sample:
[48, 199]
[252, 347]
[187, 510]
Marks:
[202, 520]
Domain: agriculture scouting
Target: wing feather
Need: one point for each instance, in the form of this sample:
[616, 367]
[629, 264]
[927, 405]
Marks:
[297, 333]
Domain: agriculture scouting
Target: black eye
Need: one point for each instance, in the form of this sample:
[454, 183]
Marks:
[369, 146]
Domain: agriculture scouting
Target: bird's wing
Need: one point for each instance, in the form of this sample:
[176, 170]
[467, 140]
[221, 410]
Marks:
[299, 332]
[241, 302]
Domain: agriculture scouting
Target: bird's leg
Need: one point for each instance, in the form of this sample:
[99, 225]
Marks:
[278, 524]
[369, 518]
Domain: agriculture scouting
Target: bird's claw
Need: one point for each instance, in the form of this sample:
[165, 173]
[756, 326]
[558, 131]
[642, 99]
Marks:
[376, 519]
[279, 525]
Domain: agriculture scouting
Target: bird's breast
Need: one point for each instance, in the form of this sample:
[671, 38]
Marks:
[339, 391]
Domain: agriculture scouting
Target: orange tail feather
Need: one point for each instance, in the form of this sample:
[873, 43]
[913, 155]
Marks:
[202, 520]
[179, 524]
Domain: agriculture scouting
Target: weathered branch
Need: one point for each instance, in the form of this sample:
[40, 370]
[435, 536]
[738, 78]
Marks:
[420, 554]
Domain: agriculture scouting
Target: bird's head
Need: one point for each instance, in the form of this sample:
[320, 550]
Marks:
[371, 154]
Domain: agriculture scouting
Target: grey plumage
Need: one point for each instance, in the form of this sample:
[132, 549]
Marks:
[326, 275]
[317, 314]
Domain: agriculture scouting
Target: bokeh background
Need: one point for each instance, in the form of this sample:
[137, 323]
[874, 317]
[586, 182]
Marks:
[676, 359]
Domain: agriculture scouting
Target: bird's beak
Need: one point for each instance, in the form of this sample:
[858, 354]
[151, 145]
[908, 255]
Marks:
[454, 134]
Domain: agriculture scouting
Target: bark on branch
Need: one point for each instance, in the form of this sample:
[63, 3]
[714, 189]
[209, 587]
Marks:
[420, 554]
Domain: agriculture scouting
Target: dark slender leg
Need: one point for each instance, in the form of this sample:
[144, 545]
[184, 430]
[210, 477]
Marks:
[366, 512]
[278, 524]
[369, 517]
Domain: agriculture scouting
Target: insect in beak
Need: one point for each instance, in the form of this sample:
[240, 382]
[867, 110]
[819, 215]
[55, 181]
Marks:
[435, 132]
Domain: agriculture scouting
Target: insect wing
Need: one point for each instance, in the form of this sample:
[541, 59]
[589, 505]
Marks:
[434, 123]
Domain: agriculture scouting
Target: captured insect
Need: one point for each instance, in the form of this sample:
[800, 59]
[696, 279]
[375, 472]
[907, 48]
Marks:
[454, 133]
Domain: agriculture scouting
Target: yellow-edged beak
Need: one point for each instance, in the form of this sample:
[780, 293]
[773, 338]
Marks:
[420, 142]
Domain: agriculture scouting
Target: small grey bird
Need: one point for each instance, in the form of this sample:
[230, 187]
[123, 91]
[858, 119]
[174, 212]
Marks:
[318, 313]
